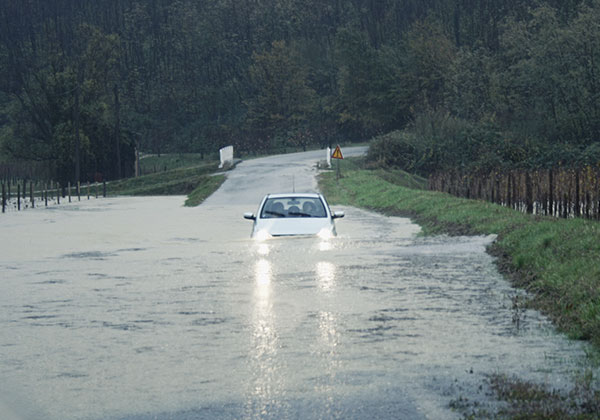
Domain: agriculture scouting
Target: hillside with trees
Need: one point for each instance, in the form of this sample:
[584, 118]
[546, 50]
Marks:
[438, 84]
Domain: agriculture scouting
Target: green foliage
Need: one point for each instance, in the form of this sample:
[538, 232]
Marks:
[180, 181]
[283, 101]
[528, 400]
[357, 75]
[437, 141]
[205, 188]
[165, 162]
[61, 110]
[188, 76]
[183, 176]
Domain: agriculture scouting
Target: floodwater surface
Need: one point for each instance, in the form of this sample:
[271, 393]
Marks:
[140, 308]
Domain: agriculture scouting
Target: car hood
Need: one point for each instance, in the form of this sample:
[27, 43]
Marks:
[293, 226]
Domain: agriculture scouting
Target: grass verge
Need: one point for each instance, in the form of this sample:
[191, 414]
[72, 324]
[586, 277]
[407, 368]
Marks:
[166, 162]
[556, 260]
[198, 182]
[528, 400]
[205, 188]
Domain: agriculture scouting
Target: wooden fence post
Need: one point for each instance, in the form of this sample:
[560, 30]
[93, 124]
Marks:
[516, 198]
[508, 190]
[528, 193]
[58, 193]
[577, 207]
[104, 189]
[69, 190]
[551, 191]
[18, 196]
[31, 195]
[3, 198]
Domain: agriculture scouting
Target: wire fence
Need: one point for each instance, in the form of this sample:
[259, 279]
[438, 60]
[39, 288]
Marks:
[559, 192]
[22, 195]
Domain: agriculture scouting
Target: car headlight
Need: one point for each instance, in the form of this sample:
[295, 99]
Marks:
[262, 235]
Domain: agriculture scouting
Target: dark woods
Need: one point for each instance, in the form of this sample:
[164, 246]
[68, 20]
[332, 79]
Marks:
[470, 84]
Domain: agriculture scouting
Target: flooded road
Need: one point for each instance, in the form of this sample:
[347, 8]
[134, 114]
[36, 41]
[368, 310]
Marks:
[140, 308]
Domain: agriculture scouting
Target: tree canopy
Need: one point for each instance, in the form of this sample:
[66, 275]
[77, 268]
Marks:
[82, 84]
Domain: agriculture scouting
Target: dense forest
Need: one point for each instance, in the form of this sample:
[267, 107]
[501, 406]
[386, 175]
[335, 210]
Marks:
[475, 84]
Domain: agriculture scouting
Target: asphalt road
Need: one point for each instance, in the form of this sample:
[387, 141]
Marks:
[140, 308]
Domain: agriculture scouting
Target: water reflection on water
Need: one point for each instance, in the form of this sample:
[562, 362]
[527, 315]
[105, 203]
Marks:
[325, 275]
[266, 378]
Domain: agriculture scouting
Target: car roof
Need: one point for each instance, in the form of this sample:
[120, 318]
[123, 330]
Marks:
[289, 195]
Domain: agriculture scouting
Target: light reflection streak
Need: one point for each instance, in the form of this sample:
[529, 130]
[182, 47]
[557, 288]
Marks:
[328, 329]
[325, 246]
[326, 275]
[329, 336]
[265, 385]
[263, 249]
[262, 272]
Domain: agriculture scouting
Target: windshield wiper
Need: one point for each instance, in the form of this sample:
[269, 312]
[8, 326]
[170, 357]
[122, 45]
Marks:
[297, 213]
[274, 213]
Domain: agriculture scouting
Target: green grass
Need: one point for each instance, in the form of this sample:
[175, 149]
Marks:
[557, 260]
[166, 162]
[204, 189]
[528, 400]
[195, 181]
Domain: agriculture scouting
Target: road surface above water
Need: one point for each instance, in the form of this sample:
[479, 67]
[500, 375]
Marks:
[140, 308]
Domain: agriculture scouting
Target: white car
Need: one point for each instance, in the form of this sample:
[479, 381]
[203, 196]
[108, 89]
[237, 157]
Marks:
[293, 214]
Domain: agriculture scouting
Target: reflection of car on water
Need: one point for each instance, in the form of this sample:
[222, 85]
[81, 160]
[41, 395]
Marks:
[293, 214]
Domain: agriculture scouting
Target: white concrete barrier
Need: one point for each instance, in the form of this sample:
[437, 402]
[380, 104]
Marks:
[226, 154]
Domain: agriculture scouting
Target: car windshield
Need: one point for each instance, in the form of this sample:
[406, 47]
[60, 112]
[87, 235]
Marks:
[293, 207]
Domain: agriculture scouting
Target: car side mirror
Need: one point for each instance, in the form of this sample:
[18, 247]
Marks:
[249, 216]
[338, 215]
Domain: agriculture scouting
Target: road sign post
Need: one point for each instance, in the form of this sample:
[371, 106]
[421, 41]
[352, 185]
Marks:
[337, 154]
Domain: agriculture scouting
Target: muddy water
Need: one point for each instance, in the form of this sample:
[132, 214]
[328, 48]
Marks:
[139, 308]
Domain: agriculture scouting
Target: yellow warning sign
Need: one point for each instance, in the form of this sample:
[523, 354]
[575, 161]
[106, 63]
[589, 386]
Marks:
[337, 153]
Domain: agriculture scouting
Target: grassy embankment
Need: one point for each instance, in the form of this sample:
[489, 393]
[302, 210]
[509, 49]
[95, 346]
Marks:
[556, 260]
[177, 176]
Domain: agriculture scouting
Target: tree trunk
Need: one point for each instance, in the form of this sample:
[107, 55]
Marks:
[117, 131]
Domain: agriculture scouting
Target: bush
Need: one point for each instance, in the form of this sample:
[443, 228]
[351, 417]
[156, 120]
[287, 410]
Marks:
[437, 141]
[394, 150]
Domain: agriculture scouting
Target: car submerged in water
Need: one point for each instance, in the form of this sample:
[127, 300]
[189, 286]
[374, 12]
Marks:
[293, 214]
